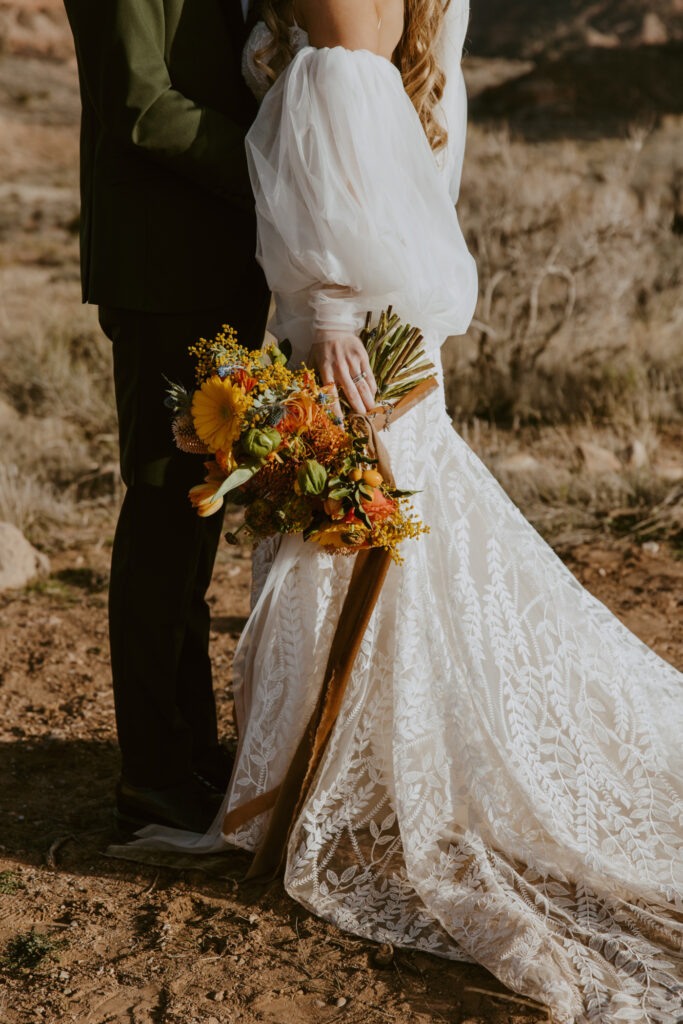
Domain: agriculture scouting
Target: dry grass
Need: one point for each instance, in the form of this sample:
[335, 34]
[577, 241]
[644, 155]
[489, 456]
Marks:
[578, 332]
[579, 314]
[57, 418]
[571, 501]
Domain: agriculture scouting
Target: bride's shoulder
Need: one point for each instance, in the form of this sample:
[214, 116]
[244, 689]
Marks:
[353, 24]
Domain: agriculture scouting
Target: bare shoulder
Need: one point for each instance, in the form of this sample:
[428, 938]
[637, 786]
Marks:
[354, 24]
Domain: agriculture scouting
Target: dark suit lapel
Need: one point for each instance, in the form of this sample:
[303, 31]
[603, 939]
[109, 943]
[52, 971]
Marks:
[238, 29]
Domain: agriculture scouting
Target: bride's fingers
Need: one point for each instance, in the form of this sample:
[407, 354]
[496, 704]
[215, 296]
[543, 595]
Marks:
[369, 377]
[346, 381]
[367, 393]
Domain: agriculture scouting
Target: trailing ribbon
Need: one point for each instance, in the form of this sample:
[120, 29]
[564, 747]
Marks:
[369, 572]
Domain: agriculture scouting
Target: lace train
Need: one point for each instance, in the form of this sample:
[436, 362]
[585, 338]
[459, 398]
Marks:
[502, 783]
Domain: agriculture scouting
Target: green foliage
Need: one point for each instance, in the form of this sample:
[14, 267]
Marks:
[29, 950]
[10, 883]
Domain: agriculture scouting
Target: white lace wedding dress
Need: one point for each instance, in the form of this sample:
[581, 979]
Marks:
[503, 782]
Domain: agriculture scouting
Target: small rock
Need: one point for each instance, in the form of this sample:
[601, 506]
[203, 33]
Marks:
[635, 455]
[217, 997]
[63, 975]
[605, 40]
[212, 1020]
[672, 472]
[520, 462]
[653, 32]
[320, 1003]
[342, 1001]
[19, 561]
[597, 459]
[9, 417]
[651, 546]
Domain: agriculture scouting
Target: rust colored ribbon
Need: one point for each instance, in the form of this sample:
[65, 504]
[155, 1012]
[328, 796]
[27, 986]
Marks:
[369, 572]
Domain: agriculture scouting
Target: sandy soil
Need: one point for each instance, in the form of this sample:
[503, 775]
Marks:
[142, 944]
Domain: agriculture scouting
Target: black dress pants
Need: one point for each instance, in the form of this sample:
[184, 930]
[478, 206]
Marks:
[163, 553]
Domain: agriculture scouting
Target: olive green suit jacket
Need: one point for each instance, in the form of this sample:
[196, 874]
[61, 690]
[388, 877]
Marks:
[167, 222]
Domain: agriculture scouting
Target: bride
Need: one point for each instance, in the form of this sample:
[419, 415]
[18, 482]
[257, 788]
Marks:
[502, 783]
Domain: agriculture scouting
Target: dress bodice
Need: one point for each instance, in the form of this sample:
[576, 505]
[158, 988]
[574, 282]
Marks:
[256, 79]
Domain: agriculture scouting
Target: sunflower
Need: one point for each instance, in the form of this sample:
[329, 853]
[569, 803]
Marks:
[218, 407]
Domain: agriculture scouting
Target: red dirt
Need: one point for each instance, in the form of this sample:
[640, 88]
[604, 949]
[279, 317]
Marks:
[144, 944]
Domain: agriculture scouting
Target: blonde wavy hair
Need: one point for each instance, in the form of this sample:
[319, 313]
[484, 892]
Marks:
[415, 56]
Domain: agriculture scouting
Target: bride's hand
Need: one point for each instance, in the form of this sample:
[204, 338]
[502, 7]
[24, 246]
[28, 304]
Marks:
[340, 358]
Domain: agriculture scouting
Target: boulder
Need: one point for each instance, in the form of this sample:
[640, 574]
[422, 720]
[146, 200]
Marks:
[635, 455]
[654, 31]
[19, 561]
[596, 459]
[519, 462]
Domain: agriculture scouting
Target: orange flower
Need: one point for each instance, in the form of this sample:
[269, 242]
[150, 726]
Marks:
[226, 461]
[300, 413]
[201, 497]
[244, 379]
[379, 507]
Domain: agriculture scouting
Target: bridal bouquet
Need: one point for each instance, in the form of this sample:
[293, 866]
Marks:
[276, 448]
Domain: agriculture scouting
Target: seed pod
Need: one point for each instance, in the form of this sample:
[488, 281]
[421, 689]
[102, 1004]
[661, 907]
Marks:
[259, 443]
[311, 477]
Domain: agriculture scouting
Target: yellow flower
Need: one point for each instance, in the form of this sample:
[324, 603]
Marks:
[340, 535]
[201, 497]
[218, 407]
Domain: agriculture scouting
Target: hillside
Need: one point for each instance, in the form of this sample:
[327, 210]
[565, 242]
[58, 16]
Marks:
[529, 28]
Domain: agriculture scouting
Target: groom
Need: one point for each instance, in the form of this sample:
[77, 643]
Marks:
[167, 247]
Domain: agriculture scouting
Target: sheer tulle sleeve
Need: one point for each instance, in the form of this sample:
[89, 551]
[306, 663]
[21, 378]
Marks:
[353, 211]
[452, 110]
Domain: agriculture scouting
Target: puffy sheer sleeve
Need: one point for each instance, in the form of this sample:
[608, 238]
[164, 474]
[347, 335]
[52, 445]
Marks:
[453, 106]
[353, 211]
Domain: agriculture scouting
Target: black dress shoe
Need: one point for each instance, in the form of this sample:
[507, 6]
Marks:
[215, 768]
[190, 805]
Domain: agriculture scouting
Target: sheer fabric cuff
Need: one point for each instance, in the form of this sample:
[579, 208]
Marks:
[336, 312]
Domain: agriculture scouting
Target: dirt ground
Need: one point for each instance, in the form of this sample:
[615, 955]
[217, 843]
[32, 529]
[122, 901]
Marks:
[143, 944]
[90, 938]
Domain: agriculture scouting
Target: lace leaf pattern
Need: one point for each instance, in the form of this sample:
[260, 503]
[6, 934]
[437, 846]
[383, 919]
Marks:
[502, 784]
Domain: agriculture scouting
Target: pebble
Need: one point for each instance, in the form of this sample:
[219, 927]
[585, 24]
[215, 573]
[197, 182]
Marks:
[217, 997]
[342, 1001]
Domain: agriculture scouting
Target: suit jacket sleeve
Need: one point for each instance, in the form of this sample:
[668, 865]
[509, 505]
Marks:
[120, 46]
